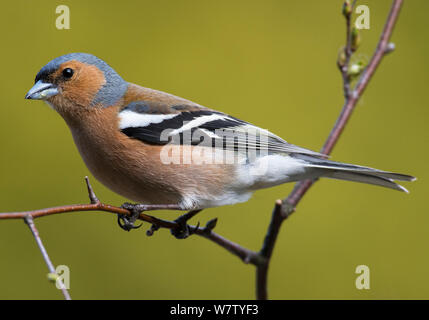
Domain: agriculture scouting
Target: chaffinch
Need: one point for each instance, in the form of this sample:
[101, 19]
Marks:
[156, 148]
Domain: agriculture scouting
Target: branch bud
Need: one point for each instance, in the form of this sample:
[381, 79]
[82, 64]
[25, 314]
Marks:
[355, 40]
[211, 225]
[341, 60]
[347, 8]
[52, 277]
[390, 47]
[355, 69]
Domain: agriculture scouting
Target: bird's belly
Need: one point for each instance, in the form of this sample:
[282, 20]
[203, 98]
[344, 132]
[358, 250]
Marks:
[124, 175]
[138, 188]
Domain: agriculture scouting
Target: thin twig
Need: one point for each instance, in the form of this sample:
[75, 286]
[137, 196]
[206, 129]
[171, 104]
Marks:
[92, 197]
[244, 254]
[30, 223]
[300, 189]
[347, 51]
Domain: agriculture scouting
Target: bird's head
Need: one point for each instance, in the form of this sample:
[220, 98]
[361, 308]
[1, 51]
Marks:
[77, 81]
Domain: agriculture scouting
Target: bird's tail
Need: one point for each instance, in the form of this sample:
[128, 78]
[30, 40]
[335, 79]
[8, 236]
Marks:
[343, 171]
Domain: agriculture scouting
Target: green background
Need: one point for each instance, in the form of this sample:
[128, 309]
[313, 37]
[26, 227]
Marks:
[272, 63]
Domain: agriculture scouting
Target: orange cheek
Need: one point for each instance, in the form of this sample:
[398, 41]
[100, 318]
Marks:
[83, 88]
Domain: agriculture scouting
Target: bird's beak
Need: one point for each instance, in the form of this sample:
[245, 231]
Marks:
[42, 91]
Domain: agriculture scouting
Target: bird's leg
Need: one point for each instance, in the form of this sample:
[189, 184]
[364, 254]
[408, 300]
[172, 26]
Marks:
[183, 231]
[127, 222]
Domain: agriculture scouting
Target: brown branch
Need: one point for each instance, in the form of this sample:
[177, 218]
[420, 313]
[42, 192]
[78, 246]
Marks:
[30, 223]
[248, 256]
[287, 206]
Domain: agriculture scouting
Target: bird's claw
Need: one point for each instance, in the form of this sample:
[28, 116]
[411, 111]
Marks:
[183, 230]
[133, 207]
[127, 222]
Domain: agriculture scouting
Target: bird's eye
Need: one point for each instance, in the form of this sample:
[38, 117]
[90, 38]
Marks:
[68, 73]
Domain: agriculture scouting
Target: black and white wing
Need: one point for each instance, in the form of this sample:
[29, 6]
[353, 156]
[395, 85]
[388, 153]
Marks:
[203, 127]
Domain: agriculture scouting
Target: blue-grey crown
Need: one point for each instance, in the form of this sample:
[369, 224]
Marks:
[114, 88]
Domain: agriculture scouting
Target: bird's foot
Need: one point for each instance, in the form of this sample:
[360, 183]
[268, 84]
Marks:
[127, 223]
[182, 231]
